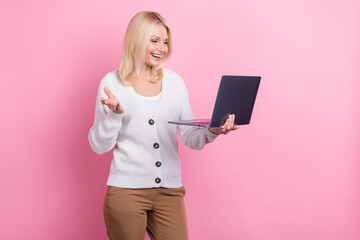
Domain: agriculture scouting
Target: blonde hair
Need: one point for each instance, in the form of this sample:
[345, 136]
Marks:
[137, 37]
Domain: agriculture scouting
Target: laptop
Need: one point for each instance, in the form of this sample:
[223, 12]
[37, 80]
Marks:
[236, 95]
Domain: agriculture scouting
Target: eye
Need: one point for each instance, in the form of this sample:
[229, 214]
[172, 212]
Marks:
[166, 43]
[154, 41]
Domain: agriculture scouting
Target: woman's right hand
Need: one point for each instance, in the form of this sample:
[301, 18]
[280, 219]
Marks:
[112, 102]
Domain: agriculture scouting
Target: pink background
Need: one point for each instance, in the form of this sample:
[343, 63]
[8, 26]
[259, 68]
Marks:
[292, 174]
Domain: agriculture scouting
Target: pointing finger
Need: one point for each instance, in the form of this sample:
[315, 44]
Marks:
[108, 93]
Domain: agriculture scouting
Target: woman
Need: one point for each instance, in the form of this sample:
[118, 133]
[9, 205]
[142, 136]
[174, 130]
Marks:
[133, 106]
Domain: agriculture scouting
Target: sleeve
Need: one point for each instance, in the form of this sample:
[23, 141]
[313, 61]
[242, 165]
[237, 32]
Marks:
[103, 134]
[192, 136]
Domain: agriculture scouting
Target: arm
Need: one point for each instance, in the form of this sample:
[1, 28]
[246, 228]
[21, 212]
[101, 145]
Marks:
[193, 137]
[108, 120]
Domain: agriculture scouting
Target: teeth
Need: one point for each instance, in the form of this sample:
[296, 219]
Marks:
[155, 55]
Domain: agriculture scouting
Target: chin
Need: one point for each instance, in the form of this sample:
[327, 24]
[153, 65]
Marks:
[154, 64]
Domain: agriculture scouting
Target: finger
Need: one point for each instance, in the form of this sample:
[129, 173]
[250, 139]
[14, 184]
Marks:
[107, 92]
[107, 102]
[118, 106]
[228, 127]
[108, 105]
[112, 107]
[225, 124]
[228, 122]
[224, 127]
[235, 127]
[232, 121]
[115, 105]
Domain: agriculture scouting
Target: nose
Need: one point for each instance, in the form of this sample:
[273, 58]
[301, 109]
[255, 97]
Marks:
[161, 47]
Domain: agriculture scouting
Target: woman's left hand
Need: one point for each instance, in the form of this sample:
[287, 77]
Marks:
[227, 127]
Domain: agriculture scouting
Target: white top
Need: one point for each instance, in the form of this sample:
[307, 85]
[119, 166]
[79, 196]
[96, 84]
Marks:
[150, 103]
[140, 139]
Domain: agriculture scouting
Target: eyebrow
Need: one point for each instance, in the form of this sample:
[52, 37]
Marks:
[154, 36]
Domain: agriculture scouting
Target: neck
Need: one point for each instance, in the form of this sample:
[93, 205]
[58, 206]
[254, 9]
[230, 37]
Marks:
[144, 76]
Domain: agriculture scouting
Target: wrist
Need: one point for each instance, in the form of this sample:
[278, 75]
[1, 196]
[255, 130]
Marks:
[212, 131]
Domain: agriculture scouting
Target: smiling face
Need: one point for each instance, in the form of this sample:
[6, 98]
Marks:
[157, 48]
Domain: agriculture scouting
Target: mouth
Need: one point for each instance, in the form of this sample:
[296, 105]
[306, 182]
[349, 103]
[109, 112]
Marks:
[156, 56]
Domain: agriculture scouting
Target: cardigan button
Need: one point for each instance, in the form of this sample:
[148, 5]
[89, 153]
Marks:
[156, 145]
[158, 164]
[157, 180]
[151, 121]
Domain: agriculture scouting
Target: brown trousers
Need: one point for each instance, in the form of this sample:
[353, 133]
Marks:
[159, 211]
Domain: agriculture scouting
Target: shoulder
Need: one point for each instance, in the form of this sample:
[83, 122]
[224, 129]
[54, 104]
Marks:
[170, 73]
[111, 77]
[112, 80]
[173, 78]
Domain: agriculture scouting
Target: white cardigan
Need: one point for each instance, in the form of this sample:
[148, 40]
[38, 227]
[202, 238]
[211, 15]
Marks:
[145, 154]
